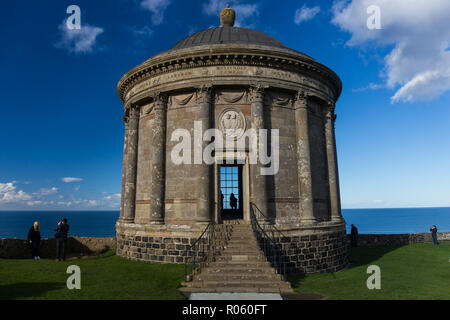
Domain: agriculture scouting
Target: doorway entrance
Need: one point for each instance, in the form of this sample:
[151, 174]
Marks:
[231, 205]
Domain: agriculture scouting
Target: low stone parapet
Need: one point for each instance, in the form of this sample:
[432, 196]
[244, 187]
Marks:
[76, 246]
[397, 239]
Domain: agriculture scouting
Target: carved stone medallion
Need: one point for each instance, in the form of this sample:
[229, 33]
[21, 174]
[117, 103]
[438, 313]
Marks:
[232, 123]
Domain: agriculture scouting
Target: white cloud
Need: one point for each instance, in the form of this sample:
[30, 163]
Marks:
[77, 188]
[34, 203]
[92, 203]
[157, 8]
[47, 191]
[78, 40]
[115, 196]
[418, 66]
[244, 11]
[71, 179]
[305, 14]
[144, 32]
[371, 86]
[9, 194]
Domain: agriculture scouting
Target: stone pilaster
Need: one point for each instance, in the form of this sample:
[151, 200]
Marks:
[258, 181]
[132, 141]
[125, 119]
[304, 158]
[205, 171]
[333, 178]
[157, 193]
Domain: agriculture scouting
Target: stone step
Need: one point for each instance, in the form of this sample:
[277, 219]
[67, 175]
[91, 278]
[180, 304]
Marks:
[241, 251]
[239, 242]
[241, 258]
[235, 290]
[205, 276]
[239, 269]
[238, 284]
[241, 246]
[241, 264]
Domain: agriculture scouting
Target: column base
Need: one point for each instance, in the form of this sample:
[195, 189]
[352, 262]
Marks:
[124, 220]
[308, 221]
[157, 223]
[337, 219]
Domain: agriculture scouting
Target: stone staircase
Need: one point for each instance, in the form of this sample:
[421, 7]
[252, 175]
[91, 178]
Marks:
[240, 267]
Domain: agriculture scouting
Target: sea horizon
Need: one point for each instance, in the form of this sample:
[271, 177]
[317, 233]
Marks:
[101, 223]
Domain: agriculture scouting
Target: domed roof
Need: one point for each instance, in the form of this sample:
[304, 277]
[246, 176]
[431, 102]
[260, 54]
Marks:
[228, 35]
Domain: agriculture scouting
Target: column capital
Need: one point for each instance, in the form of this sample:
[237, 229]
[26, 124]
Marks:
[125, 119]
[160, 99]
[203, 93]
[134, 111]
[257, 92]
[301, 99]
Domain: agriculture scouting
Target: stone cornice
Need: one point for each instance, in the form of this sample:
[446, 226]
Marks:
[219, 55]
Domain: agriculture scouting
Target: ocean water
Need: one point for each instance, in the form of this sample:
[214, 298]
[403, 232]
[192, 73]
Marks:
[406, 220]
[15, 224]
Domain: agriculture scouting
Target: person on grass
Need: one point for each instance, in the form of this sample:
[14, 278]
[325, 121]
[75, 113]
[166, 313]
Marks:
[434, 230]
[354, 236]
[34, 240]
[62, 230]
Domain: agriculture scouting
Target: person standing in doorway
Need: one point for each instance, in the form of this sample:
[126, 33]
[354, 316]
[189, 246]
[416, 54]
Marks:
[62, 229]
[34, 240]
[354, 236]
[434, 230]
[233, 202]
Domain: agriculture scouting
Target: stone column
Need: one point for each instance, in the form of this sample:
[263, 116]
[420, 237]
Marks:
[304, 158]
[204, 171]
[125, 119]
[132, 139]
[335, 202]
[258, 182]
[158, 157]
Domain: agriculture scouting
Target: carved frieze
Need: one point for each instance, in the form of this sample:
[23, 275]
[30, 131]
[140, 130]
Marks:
[231, 97]
[211, 74]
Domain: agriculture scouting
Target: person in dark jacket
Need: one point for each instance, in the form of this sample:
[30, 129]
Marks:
[354, 236]
[434, 234]
[62, 229]
[34, 240]
[233, 202]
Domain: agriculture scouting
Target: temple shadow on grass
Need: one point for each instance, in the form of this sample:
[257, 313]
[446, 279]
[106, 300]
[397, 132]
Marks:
[28, 290]
[358, 256]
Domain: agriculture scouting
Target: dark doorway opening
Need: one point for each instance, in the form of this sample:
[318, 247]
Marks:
[231, 192]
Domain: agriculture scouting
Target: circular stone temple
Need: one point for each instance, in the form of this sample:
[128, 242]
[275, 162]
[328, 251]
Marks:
[240, 82]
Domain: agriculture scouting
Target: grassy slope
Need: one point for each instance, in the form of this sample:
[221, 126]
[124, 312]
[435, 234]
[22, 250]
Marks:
[420, 271]
[103, 277]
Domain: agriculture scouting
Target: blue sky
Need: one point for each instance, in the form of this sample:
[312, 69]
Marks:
[61, 117]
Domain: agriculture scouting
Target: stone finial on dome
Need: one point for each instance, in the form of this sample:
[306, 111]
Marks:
[227, 17]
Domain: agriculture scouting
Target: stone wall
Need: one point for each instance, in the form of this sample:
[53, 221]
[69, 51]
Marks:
[317, 253]
[76, 246]
[397, 239]
[164, 250]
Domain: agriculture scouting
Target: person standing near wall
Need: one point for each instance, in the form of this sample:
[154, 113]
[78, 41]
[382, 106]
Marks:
[34, 240]
[62, 230]
[354, 236]
[434, 230]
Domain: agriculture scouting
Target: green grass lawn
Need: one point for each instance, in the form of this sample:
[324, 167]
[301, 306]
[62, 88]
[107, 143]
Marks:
[420, 271]
[102, 277]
